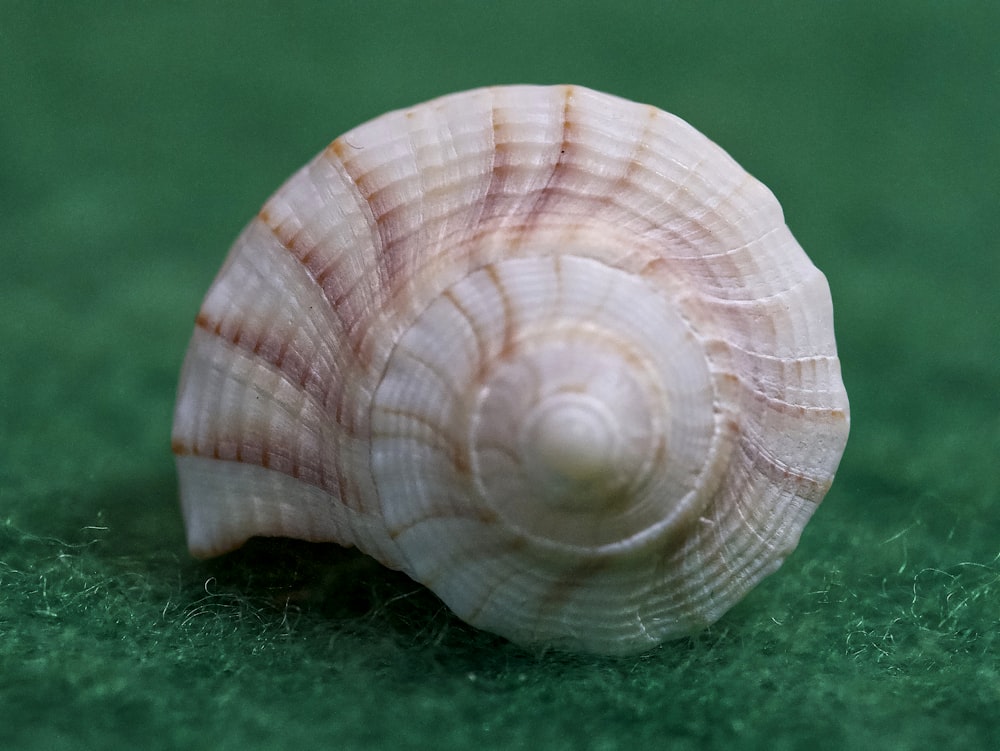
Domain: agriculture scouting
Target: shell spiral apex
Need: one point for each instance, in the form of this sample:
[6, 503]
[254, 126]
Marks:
[552, 353]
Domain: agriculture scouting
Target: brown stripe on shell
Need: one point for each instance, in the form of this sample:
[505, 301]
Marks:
[261, 451]
[323, 267]
[501, 207]
[262, 454]
[548, 191]
[499, 167]
[274, 350]
[320, 267]
[633, 166]
[386, 269]
[482, 360]
[268, 347]
[610, 203]
[508, 346]
[444, 443]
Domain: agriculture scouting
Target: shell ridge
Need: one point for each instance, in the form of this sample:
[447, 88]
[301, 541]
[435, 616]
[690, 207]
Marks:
[732, 250]
[294, 371]
[263, 346]
[632, 166]
[489, 196]
[377, 231]
[507, 309]
[317, 258]
[544, 195]
[240, 441]
[477, 334]
[438, 431]
[777, 472]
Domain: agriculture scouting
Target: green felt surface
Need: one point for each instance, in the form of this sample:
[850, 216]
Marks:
[135, 141]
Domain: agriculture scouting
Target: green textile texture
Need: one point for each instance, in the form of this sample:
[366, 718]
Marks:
[138, 138]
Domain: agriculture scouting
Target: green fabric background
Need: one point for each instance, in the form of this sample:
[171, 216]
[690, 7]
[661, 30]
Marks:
[135, 141]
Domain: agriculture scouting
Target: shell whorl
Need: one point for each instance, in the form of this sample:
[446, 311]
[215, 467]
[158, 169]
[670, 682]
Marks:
[552, 353]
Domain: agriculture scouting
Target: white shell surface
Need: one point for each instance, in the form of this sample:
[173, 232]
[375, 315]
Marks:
[552, 353]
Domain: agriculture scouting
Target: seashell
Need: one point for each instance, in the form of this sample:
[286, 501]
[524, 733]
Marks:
[552, 353]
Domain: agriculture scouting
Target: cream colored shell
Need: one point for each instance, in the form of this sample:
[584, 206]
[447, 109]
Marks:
[552, 353]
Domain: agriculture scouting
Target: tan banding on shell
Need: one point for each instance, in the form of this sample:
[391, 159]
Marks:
[552, 353]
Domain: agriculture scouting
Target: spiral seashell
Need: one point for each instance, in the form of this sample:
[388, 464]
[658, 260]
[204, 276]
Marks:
[552, 353]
